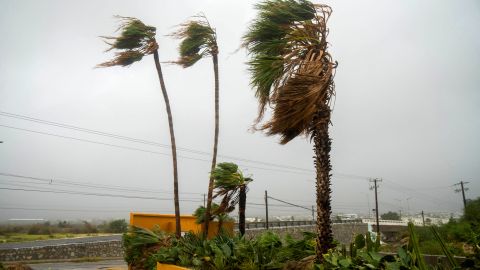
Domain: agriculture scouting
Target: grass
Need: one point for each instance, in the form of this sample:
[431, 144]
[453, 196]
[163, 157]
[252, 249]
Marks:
[23, 237]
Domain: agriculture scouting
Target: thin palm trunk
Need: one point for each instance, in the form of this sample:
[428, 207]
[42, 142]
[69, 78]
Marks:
[215, 144]
[322, 144]
[241, 209]
[172, 141]
[220, 225]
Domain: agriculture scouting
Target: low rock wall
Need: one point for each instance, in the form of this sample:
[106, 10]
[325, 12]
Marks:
[104, 249]
[343, 233]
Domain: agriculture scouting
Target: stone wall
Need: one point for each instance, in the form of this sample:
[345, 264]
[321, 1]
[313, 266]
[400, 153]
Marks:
[104, 249]
[344, 233]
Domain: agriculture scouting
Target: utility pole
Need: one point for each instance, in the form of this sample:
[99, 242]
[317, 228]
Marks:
[462, 189]
[375, 185]
[266, 209]
[204, 200]
[313, 214]
[423, 219]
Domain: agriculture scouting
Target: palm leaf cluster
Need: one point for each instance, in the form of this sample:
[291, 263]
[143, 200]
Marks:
[290, 67]
[198, 40]
[199, 214]
[228, 181]
[134, 42]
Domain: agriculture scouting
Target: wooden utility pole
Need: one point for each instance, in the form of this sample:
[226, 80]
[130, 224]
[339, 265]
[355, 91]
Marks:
[375, 185]
[266, 209]
[423, 219]
[462, 189]
[203, 199]
[313, 214]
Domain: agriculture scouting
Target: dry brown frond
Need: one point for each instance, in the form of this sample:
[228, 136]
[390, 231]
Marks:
[303, 91]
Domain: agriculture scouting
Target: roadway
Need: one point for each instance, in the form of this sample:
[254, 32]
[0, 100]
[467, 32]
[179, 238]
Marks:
[57, 242]
[106, 265]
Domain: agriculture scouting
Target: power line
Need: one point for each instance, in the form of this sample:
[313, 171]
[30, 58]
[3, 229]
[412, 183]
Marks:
[152, 143]
[87, 184]
[70, 210]
[62, 190]
[421, 195]
[94, 194]
[282, 201]
[142, 141]
[138, 149]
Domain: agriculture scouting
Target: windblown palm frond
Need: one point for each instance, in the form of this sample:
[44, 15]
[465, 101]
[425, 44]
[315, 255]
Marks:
[198, 40]
[199, 213]
[228, 181]
[134, 42]
[290, 67]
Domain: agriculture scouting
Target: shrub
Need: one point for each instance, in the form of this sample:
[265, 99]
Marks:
[117, 226]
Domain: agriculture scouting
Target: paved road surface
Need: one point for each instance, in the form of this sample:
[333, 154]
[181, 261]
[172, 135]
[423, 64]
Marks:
[56, 242]
[106, 265]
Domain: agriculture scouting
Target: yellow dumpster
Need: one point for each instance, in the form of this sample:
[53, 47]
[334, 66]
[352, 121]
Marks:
[166, 222]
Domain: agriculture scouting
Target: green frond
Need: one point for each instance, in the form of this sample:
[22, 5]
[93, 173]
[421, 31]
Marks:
[135, 41]
[291, 70]
[199, 213]
[198, 40]
[123, 59]
[228, 177]
[268, 39]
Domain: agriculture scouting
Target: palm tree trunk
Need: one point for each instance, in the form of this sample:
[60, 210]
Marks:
[322, 144]
[215, 144]
[220, 225]
[242, 202]
[172, 141]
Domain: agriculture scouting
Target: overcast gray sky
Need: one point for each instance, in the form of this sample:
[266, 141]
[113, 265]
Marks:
[406, 110]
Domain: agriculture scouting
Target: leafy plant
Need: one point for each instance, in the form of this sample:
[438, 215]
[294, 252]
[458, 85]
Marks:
[139, 244]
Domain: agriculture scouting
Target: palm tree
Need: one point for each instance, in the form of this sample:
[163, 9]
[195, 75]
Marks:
[292, 72]
[135, 41]
[231, 185]
[199, 40]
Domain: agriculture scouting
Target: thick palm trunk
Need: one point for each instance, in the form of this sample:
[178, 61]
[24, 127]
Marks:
[215, 145]
[172, 142]
[323, 167]
[242, 202]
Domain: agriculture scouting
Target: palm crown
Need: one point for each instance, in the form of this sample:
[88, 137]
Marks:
[198, 40]
[290, 67]
[228, 182]
[134, 42]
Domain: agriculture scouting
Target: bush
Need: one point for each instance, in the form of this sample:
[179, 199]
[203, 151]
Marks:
[40, 229]
[117, 226]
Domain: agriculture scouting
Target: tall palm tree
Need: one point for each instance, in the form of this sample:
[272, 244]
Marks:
[199, 40]
[135, 41]
[231, 185]
[292, 72]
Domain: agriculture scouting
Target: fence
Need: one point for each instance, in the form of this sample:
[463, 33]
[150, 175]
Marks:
[288, 223]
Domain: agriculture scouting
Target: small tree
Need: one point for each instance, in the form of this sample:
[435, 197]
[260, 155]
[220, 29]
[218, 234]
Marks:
[391, 216]
[231, 185]
[117, 226]
[472, 211]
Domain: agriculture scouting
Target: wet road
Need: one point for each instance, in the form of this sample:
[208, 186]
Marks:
[56, 242]
[106, 265]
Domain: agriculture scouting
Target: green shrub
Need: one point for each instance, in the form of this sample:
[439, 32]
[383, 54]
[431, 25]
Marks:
[117, 226]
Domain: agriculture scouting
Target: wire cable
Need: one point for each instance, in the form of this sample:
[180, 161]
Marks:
[152, 143]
